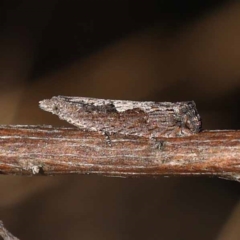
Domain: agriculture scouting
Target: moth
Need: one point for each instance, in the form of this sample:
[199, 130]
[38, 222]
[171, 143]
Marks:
[133, 118]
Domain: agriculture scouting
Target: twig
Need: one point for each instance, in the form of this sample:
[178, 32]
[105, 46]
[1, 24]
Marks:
[44, 150]
[5, 234]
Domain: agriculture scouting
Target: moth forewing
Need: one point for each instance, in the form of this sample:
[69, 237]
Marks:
[146, 119]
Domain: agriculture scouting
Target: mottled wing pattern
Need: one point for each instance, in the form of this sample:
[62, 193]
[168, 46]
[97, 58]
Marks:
[148, 119]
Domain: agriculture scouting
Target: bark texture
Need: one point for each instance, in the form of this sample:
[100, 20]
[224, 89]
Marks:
[44, 150]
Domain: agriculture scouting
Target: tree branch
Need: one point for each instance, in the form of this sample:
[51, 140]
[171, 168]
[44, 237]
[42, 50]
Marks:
[5, 234]
[44, 150]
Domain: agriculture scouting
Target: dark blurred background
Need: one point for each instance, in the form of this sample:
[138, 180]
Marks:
[121, 49]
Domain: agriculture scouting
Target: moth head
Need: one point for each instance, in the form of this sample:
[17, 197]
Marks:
[50, 105]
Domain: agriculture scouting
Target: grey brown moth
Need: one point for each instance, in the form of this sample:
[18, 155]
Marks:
[144, 119]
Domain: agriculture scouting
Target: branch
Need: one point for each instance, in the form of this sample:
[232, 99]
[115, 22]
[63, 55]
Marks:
[5, 234]
[44, 150]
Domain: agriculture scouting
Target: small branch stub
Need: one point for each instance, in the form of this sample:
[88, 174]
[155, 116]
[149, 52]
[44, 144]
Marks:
[5, 234]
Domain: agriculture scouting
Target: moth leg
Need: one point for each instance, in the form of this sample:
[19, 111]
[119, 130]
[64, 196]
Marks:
[175, 132]
[186, 132]
[107, 137]
[180, 132]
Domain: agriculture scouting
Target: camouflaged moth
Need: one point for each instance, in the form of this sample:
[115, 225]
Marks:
[144, 119]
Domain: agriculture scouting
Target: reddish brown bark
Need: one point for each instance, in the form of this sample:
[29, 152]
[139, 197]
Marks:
[34, 150]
